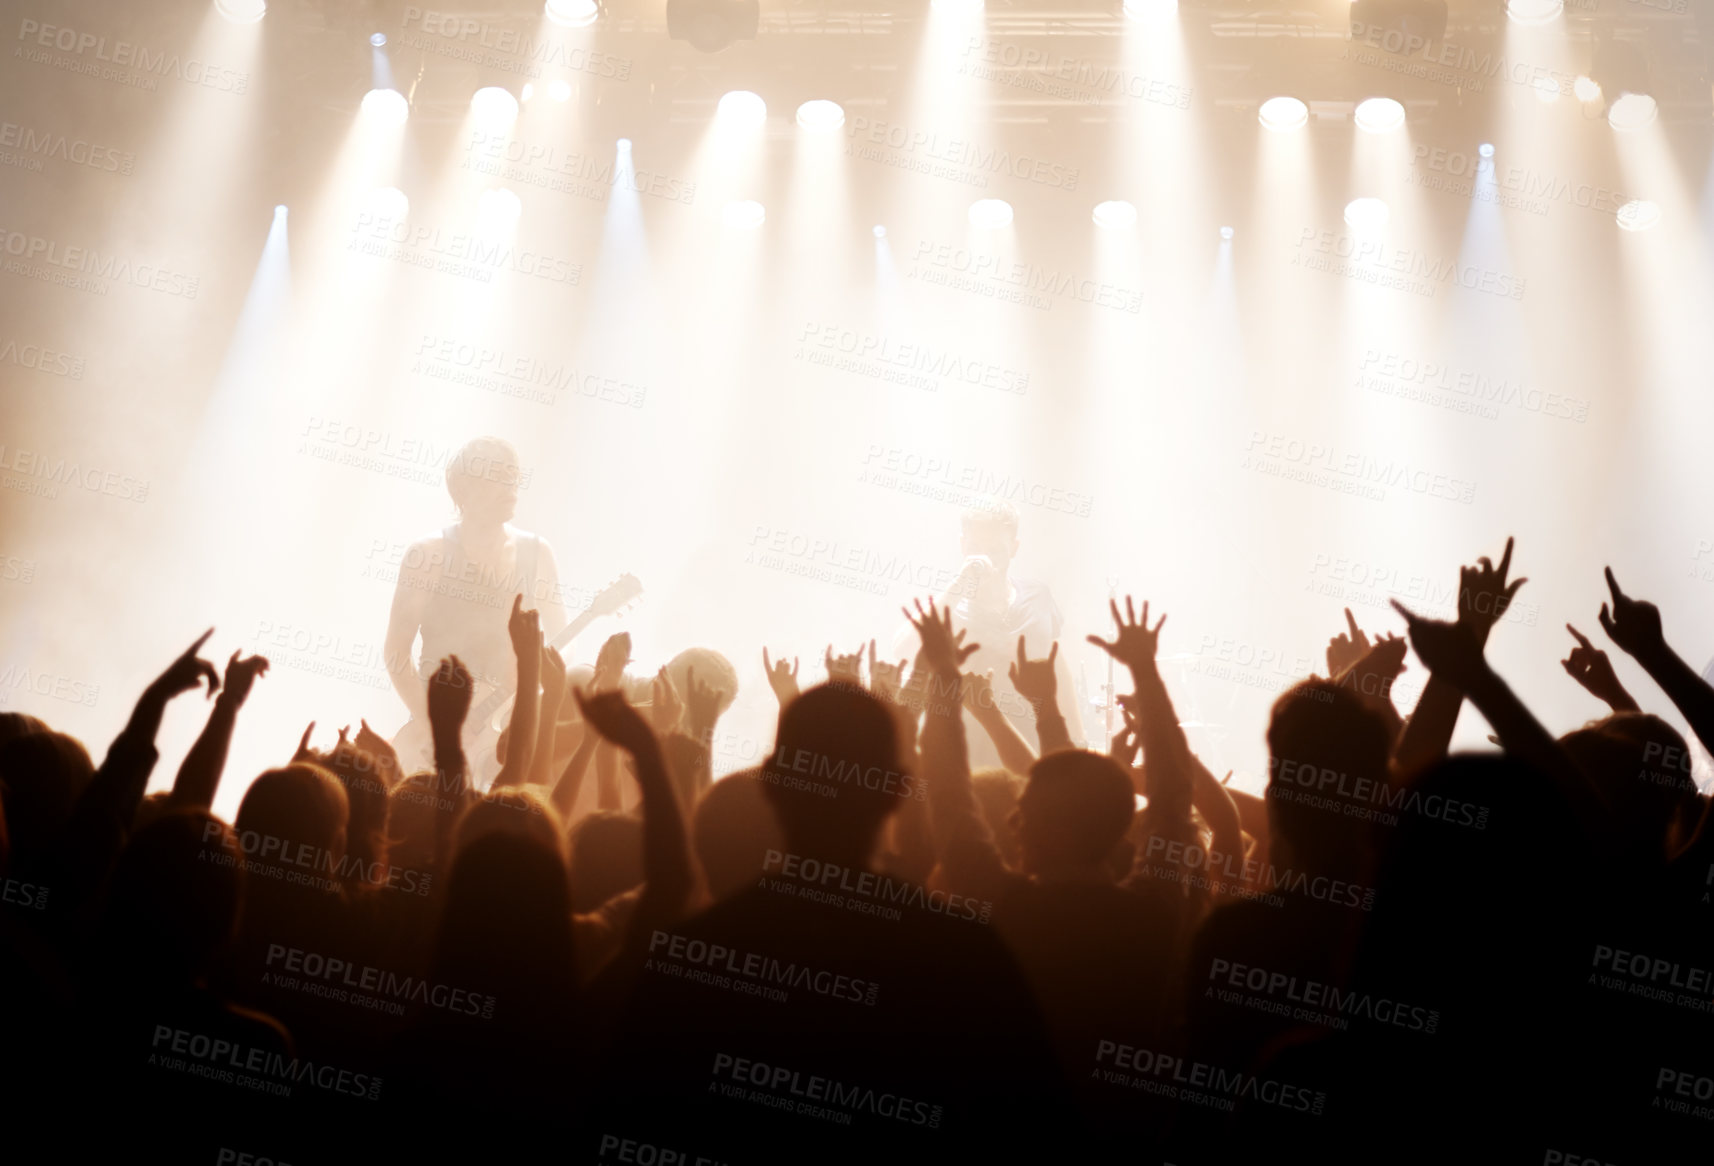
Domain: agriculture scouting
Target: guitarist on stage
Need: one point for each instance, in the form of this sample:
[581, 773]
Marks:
[456, 586]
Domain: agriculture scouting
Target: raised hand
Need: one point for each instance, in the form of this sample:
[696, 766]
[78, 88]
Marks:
[1448, 650]
[1345, 650]
[304, 752]
[1134, 645]
[187, 672]
[1035, 680]
[1590, 667]
[1633, 624]
[449, 693]
[612, 716]
[610, 662]
[241, 675]
[1373, 673]
[667, 709]
[979, 692]
[944, 650]
[781, 679]
[701, 705]
[845, 669]
[381, 749]
[524, 628]
[885, 679]
[1484, 595]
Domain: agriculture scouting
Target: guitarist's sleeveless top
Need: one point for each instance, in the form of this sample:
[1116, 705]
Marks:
[468, 609]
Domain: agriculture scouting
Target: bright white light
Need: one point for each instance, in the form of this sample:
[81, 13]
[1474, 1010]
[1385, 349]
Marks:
[1284, 113]
[1225, 232]
[624, 145]
[498, 206]
[378, 40]
[387, 204]
[1380, 115]
[956, 7]
[573, 13]
[1486, 149]
[1366, 216]
[1546, 90]
[1534, 11]
[242, 11]
[1115, 215]
[880, 231]
[1638, 215]
[1586, 89]
[1632, 111]
[494, 107]
[386, 106]
[742, 108]
[820, 115]
[990, 213]
[280, 211]
[559, 90]
[1150, 9]
[743, 215]
[528, 91]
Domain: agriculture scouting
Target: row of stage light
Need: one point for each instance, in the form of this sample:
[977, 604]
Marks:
[496, 107]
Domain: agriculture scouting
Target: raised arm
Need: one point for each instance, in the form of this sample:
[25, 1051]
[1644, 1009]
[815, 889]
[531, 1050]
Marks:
[1590, 667]
[1037, 681]
[199, 776]
[1484, 595]
[1448, 650]
[547, 736]
[117, 788]
[1015, 752]
[1634, 625]
[525, 630]
[968, 856]
[666, 848]
[448, 703]
[1166, 751]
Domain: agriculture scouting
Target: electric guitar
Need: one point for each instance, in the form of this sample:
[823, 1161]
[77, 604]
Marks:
[487, 717]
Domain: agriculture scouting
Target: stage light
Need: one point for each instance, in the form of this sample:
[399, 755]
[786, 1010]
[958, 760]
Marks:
[990, 213]
[1150, 9]
[528, 91]
[1486, 149]
[1546, 89]
[820, 115]
[1586, 89]
[711, 25]
[624, 145]
[1379, 115]
[1638, 215]
[497, 210]
[1366, 216]
[1225, 232]
[559, 90]
[742, 108]
[880, 232]
[280, 211]
[494, 107]
[1115, 215]
[573, 13]
[386, 106]
[743, 215]
[387, 203]
[956, 7]
[242, 11]
[1631, 111]
[1534, 11]
[378, 40]
[1283, 113]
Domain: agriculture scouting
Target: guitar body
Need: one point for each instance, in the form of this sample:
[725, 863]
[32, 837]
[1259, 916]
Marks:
[490, 711]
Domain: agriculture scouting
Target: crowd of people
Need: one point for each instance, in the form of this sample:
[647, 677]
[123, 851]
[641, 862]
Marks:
[867, 950]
